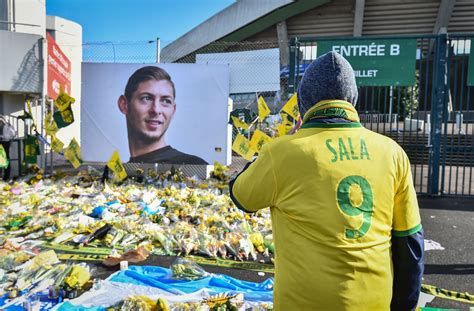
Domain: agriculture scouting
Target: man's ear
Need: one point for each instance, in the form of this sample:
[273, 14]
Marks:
[122, 104]
[174, 109]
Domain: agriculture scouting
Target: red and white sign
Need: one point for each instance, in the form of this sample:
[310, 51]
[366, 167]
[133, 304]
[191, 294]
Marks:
[59, 69]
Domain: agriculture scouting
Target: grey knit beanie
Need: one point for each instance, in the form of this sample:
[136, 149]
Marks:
[330, 76]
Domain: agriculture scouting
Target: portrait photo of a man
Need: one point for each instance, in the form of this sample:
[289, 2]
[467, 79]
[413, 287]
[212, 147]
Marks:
[149, 106]
[155, 113]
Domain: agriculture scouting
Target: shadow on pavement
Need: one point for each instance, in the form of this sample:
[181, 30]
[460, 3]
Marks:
[446, 203]
[458, 269]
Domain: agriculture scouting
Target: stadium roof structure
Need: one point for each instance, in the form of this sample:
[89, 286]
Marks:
[237, 22]
[279, 20]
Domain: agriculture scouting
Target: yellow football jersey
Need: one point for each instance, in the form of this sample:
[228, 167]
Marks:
[337, 193]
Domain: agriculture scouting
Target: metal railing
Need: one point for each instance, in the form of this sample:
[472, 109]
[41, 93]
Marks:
[431, 119]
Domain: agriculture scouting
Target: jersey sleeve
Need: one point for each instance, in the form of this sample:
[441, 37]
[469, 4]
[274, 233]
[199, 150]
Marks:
[255, 187]
[406, 214]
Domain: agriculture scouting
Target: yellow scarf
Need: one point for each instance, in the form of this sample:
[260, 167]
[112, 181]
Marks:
[332, 108]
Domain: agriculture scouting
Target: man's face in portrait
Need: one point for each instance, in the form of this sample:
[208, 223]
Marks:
[150, 110]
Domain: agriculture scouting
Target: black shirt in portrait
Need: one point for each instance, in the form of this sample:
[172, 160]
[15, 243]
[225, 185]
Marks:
[167, 155]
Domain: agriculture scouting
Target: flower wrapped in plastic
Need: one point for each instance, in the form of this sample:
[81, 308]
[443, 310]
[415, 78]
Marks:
[184, 269]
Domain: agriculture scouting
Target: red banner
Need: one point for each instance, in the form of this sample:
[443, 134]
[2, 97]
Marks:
[59, 69]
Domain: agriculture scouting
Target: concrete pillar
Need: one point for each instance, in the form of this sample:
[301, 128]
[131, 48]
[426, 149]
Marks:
[358, 17]
[282, 34]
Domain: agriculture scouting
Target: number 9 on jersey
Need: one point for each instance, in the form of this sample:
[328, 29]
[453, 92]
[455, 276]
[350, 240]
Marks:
[354, 197]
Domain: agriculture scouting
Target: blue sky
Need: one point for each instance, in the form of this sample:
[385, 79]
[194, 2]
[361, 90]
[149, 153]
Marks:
[135, 20]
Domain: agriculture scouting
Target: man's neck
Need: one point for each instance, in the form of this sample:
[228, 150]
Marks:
[139, 147]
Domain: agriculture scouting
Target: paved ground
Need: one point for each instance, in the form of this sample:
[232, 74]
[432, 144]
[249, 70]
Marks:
[450, 222]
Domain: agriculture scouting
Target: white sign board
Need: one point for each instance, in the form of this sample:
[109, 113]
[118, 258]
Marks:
[250, 71]
[134, 122]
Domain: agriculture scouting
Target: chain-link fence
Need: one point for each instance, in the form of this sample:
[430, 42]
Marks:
[149, 52]
[120, 52]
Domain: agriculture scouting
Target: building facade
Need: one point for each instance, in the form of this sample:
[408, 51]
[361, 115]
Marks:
[24, 67]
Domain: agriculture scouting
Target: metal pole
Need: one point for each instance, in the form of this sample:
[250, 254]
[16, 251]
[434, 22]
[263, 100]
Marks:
[51, 154]
[293, 70]
[437, 111]
[390, 107]
[158, 50]
[41, 131]
[41, 100]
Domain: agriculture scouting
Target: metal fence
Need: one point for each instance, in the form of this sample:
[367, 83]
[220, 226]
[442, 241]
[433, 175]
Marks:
[24, 126]
[432, 120]
[120, 52]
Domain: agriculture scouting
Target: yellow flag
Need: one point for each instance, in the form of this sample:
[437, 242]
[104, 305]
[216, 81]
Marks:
[63, 101]
[281, 129]
[241, 145]
[259, 139]
[73, 153]
[284, 128]
[50, 125]
[291, 107]
[30, 113]
[263, 109]
[239, 124]
[115, 164]
[284, 119]
[56, 144]
[28, 107]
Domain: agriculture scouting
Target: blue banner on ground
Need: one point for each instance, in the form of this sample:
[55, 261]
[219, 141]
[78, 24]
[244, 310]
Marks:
[160, 278]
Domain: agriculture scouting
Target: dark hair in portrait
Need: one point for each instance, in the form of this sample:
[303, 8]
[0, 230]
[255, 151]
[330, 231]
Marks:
[145, 74]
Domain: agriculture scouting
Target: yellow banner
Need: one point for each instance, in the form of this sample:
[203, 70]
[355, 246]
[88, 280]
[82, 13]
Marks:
[82, 257]
[239, 123]
[259, 139]
[447, 294]
[73, 153]
[56, 144]
[241, 145]
[63, 101]
[263, 109]
[116, 166]
[50, 125]
[291, 107]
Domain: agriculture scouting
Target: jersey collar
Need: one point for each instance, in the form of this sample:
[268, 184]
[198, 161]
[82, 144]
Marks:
[331, 108]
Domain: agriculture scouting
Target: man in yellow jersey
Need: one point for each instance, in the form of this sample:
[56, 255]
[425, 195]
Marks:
[345, 216]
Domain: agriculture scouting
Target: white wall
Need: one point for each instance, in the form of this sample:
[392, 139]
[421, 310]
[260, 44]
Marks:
[21, 68]
[68, 35]
[26, 33]
[31, 12]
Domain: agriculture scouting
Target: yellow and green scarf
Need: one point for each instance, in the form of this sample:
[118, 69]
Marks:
[332, 108]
